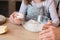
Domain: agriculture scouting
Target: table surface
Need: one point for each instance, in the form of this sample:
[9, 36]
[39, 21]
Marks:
[17, 32]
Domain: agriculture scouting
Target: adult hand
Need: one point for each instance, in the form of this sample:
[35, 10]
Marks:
[52, 33]
[47, 25]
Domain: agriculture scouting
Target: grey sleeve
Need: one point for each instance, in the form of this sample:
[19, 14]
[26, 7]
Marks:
[53, 14]
[23, 7]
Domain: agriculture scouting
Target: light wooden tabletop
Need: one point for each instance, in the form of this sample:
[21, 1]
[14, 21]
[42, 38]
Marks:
[17, 32]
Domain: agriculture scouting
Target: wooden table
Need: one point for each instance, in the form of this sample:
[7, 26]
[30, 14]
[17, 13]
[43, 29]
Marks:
[17, 32]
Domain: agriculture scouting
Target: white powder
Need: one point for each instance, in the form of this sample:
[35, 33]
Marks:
[33, 26]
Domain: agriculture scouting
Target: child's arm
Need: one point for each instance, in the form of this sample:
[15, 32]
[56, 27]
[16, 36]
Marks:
[53, 14]
[23, 8]
[17, 18]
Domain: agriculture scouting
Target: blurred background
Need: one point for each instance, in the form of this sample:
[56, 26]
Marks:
[9, 6]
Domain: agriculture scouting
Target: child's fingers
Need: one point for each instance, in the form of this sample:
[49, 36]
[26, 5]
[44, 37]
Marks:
[49, 22]
[15, 15]
[18, 21]
[12, 16]
[46, 26]
[11, 19]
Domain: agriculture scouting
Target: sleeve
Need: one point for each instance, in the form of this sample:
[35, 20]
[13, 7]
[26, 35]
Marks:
[23, 7]
[53, 14]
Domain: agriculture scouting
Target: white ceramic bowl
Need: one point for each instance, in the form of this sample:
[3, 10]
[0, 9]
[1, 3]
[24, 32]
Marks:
[33, 26]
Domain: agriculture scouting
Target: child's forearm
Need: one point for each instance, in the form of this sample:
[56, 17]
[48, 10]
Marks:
[53, 14]
[23, 7]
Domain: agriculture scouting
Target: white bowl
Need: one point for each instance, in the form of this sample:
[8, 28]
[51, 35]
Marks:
[33, 26]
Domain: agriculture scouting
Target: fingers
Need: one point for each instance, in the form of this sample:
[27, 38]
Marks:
[49, 37]
[46, 26]
[15, 14]
[44, 31]
[47, 34]
[18, 21]
[49, 25]
[12, 17]
[50, 28]
[49, 22]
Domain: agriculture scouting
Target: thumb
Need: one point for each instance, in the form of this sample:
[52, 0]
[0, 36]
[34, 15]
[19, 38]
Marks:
[49, 22]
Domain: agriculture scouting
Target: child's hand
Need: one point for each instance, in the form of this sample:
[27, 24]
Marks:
[14, 19]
